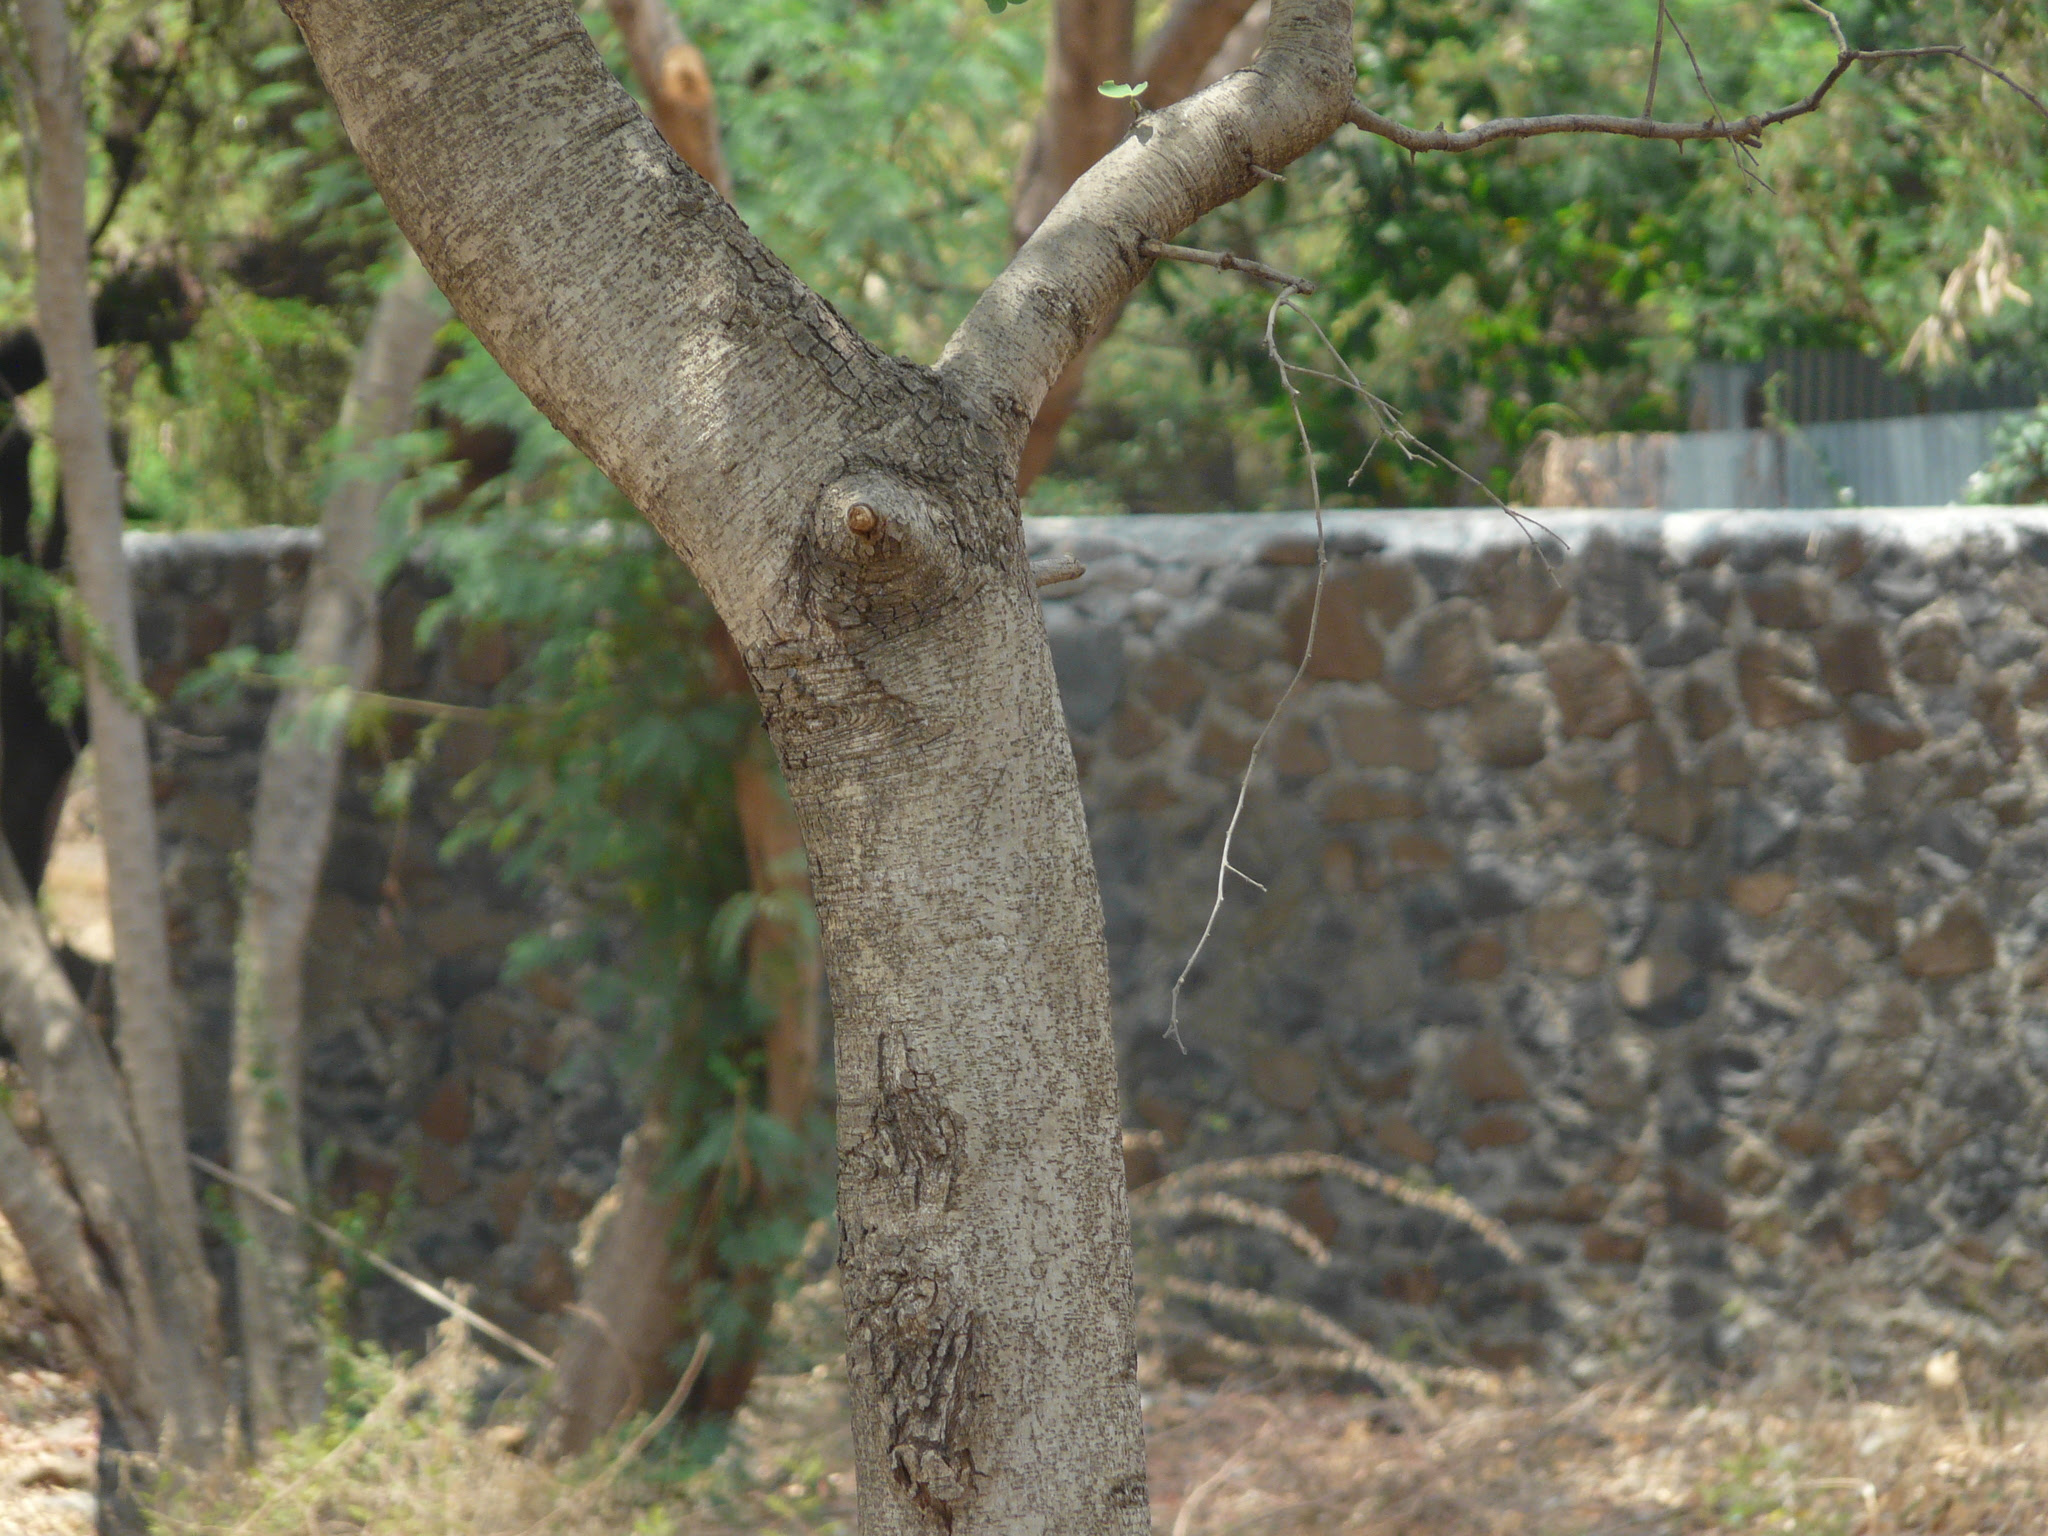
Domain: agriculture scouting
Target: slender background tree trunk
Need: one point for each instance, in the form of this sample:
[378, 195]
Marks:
[146, 1005]
[303, 749]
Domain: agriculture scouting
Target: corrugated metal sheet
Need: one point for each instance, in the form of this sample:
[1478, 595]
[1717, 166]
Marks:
[1907, 461]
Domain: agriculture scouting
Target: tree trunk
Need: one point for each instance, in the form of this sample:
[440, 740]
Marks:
[295, 789]
[157, 1377]
[145, 1002]
[854, 519]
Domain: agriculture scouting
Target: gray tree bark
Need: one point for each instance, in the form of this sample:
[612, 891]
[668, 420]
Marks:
[294, 821]
[854, 519]
[183, 1299]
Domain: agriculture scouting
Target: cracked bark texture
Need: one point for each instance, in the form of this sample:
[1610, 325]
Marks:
[854, 519]
[295, 788]
[179, 1292]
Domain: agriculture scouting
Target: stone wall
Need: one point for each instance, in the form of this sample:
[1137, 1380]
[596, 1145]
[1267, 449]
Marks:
[468, 1123]
[1682, 905]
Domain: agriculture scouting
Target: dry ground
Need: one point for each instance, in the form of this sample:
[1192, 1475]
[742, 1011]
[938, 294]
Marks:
[1636, 1457]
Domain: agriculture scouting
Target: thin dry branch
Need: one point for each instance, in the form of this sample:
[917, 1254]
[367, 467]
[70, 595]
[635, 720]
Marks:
[1260, 1307]
[1308, 1165]
[376, 1261]
[1225, 261]
[1245, 1213]
[1746, 132]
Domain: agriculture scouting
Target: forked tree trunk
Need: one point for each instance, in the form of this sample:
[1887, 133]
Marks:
[183, 1297]
[295, 789]
[854, 519]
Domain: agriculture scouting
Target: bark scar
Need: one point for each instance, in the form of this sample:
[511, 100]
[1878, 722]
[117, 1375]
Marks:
[911, 1134]
[915, 1340]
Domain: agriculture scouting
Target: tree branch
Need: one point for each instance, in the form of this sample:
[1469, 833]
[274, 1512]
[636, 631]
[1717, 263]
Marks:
[1173, 167]
[1746, 131]
[1181, 46]
[626, 299]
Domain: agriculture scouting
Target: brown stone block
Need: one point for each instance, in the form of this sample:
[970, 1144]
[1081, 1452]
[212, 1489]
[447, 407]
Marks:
[1398, 1138]
[1171, 1120]
[1727, 764]
[1604, 1245]
[1806, 1135]
[1134, 731]
[1443, 659]
[1568, 936]
[1505, 728]
[1931, 649]
[1874, 728]
[1222, 750]
[1286, 1079]
[1706, 708]
[1595, 687]
[1752, 1167]
[1298, 750]
[1481, 957]
[1311, 1208]
[1387, 590]
[207, 629]
[1417, 853]
[1690, 1203]
[1495, 1130]
[1773, 677]
[1876, 1084]
[1673, 811]
[447, 1116]
[1523, 598]
[1145, 793]
[1171, 685]
[1810, 967]
[1872, 914]
[1143, 1163]
[1378, 734]
[1957, 942]
[1999, 713]
[1485, 1072]
[1416, 1285]
[1346, 648]
[1761, 895]
[1852, 659]
[1795, 599]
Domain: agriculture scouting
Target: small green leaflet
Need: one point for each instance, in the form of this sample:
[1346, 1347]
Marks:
[997, 7]
[1117, 92]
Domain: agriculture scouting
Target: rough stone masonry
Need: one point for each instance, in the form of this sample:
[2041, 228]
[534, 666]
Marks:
[1676, 895]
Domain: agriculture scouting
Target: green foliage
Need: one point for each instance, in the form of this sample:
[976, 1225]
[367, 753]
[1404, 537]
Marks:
[612, 781]
[2018, 471]
[1571, 282]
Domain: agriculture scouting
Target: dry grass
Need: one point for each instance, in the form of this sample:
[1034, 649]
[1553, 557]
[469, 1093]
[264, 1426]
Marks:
[1797, 1456]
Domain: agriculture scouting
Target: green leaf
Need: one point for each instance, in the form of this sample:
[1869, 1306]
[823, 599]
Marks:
[1117, 92]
